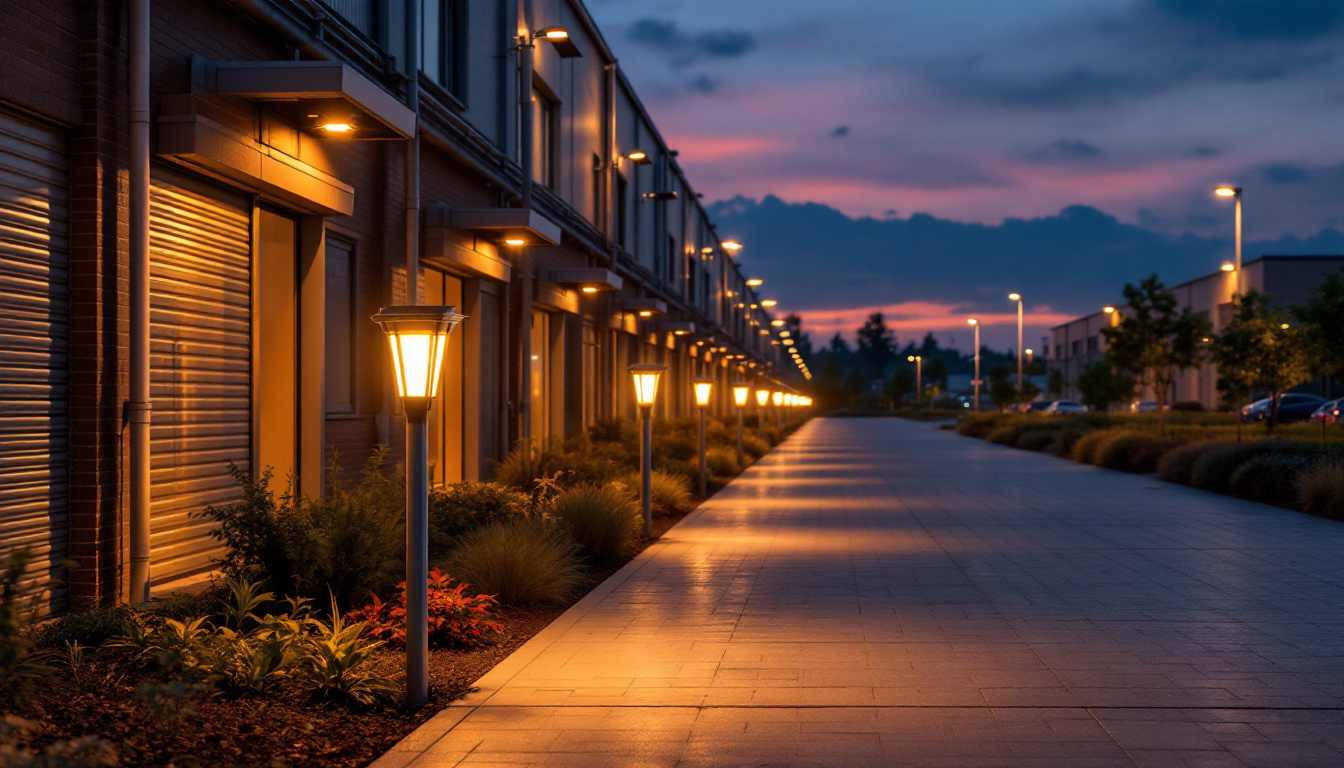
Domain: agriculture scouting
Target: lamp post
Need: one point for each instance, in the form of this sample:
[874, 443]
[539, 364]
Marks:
[646, 390]
[975, 382]
[762, 397]
[740, 394]
[1018, 298]
[1235, 194]
[704, 388]
[418, 339]
[919, 371]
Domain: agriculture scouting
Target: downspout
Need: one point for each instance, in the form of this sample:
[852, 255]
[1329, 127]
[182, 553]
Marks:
[139, 405]
[526, 46]
[413, 43]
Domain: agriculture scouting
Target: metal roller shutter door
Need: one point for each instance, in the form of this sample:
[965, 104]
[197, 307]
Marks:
[34, 337]
[200, 366]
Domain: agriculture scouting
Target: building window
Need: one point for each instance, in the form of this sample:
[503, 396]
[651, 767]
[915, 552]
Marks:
[1091, 343]
[1074, 348]
[543, 139]
[443, 45]
[340, 325]
[1059, 351]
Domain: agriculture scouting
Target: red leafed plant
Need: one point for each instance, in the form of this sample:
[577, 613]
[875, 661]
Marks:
[455, 620]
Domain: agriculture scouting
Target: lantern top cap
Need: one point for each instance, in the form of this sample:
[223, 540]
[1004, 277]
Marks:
[417, 313]
[647, 368]
[706, 381]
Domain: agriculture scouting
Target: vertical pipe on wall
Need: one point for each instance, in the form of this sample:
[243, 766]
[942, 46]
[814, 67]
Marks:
[140, 405]
[413, 43]
[523, 260]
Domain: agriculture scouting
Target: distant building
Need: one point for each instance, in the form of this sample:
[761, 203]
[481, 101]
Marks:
[1289, 279]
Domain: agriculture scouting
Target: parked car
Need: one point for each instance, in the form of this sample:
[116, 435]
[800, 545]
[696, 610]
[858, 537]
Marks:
[1143, 406]
[1329, 412]
[1059, 407]
[1293, 406]
[1035, 406]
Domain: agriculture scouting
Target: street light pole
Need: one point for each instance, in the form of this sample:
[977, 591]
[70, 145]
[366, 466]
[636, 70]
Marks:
[646, 377]
[975, 383]
[418, 340]
[919, 374]
[1235, 194]
[1018, 298]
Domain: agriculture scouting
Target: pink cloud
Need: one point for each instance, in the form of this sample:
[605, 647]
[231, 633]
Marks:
[912, 319]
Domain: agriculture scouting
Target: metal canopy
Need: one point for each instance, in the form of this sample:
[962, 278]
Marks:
[315, 93]
[524, 224]
[598, 279]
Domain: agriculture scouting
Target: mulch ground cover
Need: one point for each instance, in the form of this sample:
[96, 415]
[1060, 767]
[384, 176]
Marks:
[271, 730]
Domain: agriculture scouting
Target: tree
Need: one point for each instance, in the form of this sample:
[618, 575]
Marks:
[1028, 391]
[838, 345]
[1054, 385]
[1323, 320]
[877, 344]
[935, 372]
[1154, 341]
[1002, 393]
[1261, 348]
[1102, 385]
[899, 385]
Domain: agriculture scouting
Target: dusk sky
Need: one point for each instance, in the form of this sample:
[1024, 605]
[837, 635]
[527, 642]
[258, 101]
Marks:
[978, 111]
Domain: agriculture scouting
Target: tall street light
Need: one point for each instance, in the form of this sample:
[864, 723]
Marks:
[646, 390]
[1235, 194]
[919, 372]
[975, 382]
[704, 388]
[1018, 298]
[762, 397]
[740, 394]
[418, 338]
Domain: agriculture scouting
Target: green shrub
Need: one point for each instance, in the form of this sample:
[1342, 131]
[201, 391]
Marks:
[519, 562]
[352, 541]
[602, 519]
[334, 665]
[1320, 490]
[754, 445]
[1189, 406]
[1132, 452]
[87, 628]
[1176, 465]
[1271, 478]
[717, 432]
[529, 463]
[1037, 439]
[1085, 448]
[671, 491]
[1066, 438]
[979, 425]
[1005, 435]
[460, 508]
[722, 461]
[1213, 470]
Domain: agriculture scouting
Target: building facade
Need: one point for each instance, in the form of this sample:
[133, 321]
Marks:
[297, 174]
[1288, 279]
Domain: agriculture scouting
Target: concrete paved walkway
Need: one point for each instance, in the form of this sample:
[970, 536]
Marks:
[877, 592]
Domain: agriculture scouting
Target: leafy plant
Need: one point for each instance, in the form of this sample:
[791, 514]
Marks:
[87, 628]
[602, 519]
[1133, 452]
[1086, 447]
[1320, 490]
[456, 620]
[721, 461]
[459, 508]
[1270, 478]
[246, 598]
[1261, 348]
[1177, 465]
[21, 665]
[334, 665]
[1102, 385]
[519, 562]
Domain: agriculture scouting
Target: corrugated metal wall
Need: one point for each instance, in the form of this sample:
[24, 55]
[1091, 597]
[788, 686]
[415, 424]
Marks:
[200, 365]
[34, 337]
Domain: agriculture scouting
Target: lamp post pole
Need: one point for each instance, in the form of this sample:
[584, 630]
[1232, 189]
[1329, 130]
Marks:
[1018, 298]
[418, 337]
[1240, 285]
[704, 389]
[919, 374]
[646, 377]
[975, 383]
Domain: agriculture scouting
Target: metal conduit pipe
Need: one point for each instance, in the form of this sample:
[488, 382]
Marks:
[526, 46]
[413, 153]
[139, 406]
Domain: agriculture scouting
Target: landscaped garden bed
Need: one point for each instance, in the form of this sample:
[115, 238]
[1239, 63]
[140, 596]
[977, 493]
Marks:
[260, 671]
[1298, 466]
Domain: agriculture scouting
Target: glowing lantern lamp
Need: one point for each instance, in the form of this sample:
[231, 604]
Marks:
[704, 388]
[646, 376]
[762, 398]
[418, 339]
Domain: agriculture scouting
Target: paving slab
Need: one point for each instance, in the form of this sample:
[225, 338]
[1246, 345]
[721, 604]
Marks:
[880, 592]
